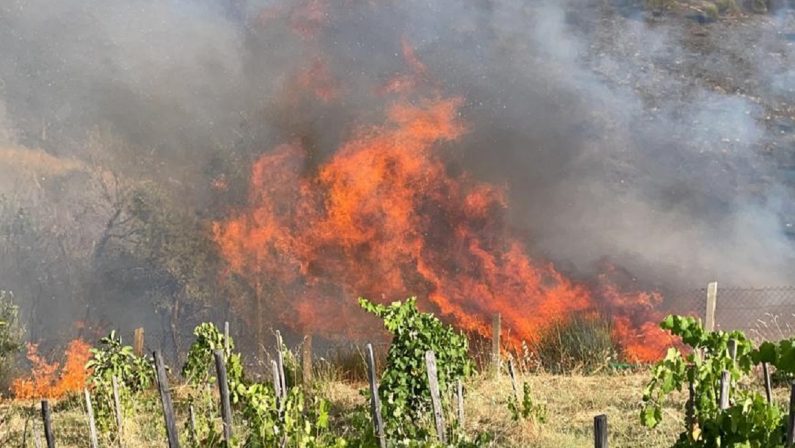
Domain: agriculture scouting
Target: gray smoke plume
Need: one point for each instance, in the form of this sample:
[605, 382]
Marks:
[660, 145]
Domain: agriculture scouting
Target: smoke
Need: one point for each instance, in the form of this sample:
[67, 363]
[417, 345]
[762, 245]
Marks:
[655, 145]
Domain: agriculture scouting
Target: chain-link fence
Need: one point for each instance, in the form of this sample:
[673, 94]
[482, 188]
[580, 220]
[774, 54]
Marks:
[762, 313]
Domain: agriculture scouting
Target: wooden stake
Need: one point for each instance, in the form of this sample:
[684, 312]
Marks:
[280, 360]
[768, 387]
[690, 412]
[306, 361]
[192, 425]
[436, 398]
[117, 408]
[495, 344]
[165, 399]
[226, 337]
[512, 373]
[47, 418]
[277, 382]
[732, 349]
[36, 440]
[92, 426]
[712, 301]
[791, 417]
[375, 403]
[138, 341]
[725, 383]
[460, 402]
[223, 388]
[600, 431]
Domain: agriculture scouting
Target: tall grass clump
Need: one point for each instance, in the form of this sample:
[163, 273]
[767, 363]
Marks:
[581, 344]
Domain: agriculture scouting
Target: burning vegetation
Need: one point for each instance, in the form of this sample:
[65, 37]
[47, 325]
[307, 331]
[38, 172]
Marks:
[50, 380]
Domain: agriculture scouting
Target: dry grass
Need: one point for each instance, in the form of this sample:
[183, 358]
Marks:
[572, 402]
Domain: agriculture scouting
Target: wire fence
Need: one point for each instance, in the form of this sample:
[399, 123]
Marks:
[762, 313]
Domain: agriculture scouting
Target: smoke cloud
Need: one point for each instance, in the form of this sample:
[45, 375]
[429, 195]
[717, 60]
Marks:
[660, 146]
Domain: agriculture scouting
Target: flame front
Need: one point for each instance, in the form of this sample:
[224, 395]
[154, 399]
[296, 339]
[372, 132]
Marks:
[384, 218]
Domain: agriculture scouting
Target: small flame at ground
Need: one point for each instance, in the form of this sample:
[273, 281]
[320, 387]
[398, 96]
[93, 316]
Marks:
[46, 381]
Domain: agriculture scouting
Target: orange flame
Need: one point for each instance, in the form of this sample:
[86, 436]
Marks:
[45, 381]
[383, 216]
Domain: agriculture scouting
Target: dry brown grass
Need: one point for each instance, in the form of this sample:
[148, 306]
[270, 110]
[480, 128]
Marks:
[571, 400]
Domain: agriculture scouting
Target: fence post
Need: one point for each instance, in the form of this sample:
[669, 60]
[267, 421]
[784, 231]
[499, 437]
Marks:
[512, 373]
[375, 403]
[791, 417]
[768, 387]
[306, 361]
[725, 384]
[600, 431]
[277, 382]
[732, 348]
[690, 412]
[117, 408]
[280, 360]
[92, 426]
[459, 388]
[138, 341]
[495, 343]
[436, 397]
[712, 302]
[47, 418]
[223, 389]
[192, 425]
[165, 399]
[226, 337]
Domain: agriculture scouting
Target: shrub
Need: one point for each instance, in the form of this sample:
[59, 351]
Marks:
[112, 359]
[10, 337]
[581, 343]
[404, 387]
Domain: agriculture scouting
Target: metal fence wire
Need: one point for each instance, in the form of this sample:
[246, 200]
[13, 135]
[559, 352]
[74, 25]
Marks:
[762, 313]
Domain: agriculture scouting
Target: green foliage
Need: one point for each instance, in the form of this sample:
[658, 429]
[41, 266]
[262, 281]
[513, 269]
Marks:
[198, 370]
[578, 344]
[10, 336]
[404, 387]
[527, 408]
[749, 421]
[133, 373]
[297, 420]
[112, 358]
[200, 361]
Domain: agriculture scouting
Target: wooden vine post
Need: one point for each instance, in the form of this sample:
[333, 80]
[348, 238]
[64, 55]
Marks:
[280, 360]
[725, 383]
[92, 426]
[277, 381]
[512, 373]
[712, 302]
[459, 398]
[226, 337]
[138, 341]
[768, 386]
[46, 417]
[223, 389]
[495, 344]
[436, 397]
[791, 417]
[600, 431]
[306, 361]
[165, 399]
[375, 403]
[118, 412]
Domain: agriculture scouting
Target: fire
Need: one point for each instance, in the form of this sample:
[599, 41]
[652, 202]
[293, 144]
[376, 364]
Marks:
[384, 217]
[45, 381]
